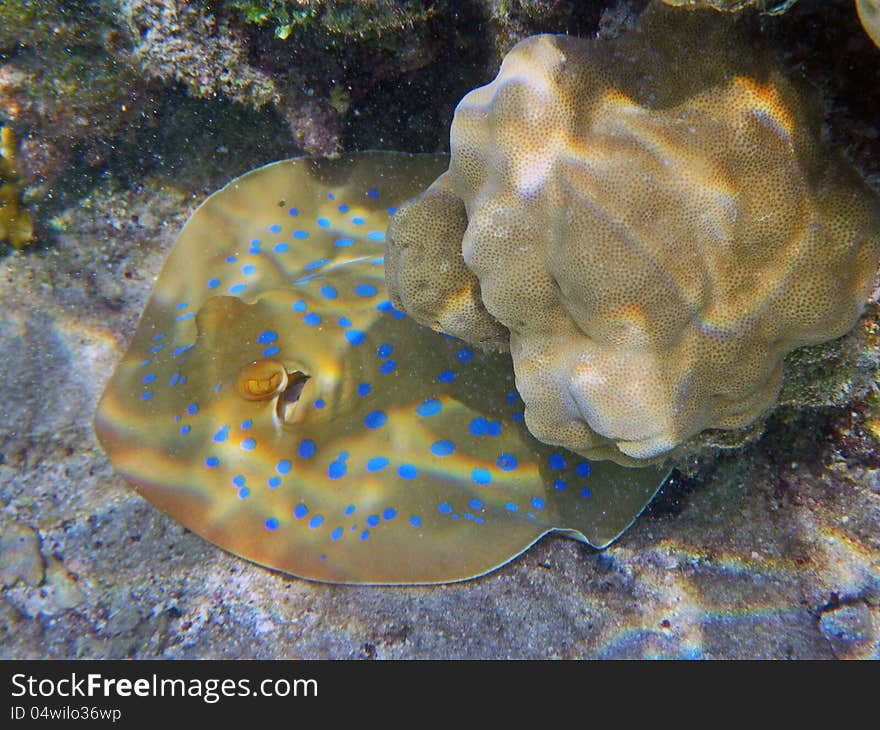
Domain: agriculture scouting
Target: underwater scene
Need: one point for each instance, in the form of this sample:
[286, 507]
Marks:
[465, 329]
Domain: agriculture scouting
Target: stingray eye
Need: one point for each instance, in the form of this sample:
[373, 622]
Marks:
[262, 380]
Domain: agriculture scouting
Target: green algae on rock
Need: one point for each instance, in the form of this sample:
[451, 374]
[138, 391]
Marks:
[654, 221]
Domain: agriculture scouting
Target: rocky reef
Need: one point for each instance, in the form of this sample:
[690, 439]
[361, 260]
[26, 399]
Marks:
[766, 551]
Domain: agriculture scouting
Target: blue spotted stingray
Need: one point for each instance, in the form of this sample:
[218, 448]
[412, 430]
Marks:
[275, 402]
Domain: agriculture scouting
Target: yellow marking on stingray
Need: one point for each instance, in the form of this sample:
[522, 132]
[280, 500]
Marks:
[274, 401]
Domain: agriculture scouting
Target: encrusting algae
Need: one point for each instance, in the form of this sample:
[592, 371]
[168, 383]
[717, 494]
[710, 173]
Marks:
[868, 10]
[16, 224]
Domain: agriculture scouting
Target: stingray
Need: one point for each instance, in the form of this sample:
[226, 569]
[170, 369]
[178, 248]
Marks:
[275, 402]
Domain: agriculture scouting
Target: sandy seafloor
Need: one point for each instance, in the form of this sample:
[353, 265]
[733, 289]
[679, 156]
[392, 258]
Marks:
[775, 554]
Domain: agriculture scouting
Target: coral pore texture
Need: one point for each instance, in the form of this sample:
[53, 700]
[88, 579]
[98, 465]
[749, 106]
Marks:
[650, 223]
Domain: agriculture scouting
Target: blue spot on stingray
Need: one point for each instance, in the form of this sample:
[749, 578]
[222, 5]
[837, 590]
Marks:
[248, 269]
[343, 242]
[281, 247]
[537, 503]
[373, 193]
[319, 403]
[306, 449]
[377, 463]
[185, 429]
[300, 234]
[238, 480]
[248, 444]
[312, 319]
[267, 337]
[481, 475]
[158, 336]
[376, 419]
[271, 523]
[271, 351]
[384, 350]
[479, 426]
[511, 506]
[274, 228]
[378, 262]
[586, 493]
[181, 305]
[292, 212]
[342, 208]
[245, 425]
[365, 534]
[244, 493]
[376, 235]
[149, 378]
[415, 521]
[447, 376]
[389, 514]
[443, 448]
[364, 389]
[365, 290]
[222, 434]
[476, 504]
[211, 462]
[283, 466]
[273, 482]
[155, 348]
[336, 469]
[237, 288]
[233, 258]
[147, 395]
[213, 283]
[183, 348]
[583, 469]
[300, 511]
[560, 485]
[464, 355]
[192, 409]
[392, 210]
[315, 264]
[358, 221]
[174, 379]
[494, 428]
[507, 462]
[372, 521]
[388, 367]
[556, 461]
[444, 508]
[349, 510]
[299, 306]
[316, 522]
[517, 416]
[430, 407]
[407, 471]
[354, 337]
[336, 534]
[188, 315]
[328, 292]
[323, 222]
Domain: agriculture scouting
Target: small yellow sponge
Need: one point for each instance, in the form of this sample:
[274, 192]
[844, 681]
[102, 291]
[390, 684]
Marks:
[651, 222]
[16, 224]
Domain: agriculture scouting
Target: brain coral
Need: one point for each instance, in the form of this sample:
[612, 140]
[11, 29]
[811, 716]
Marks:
[650, 223]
